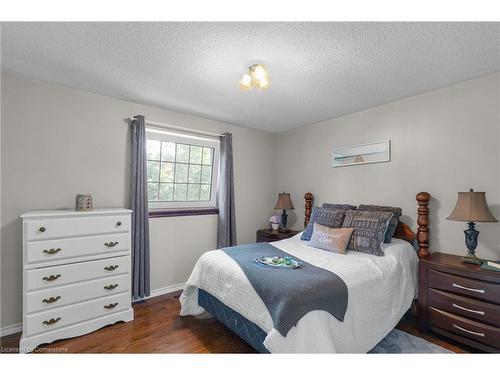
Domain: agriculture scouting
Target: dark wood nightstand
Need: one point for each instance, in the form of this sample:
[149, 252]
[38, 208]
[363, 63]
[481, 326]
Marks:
[269, 235]
[460, 301]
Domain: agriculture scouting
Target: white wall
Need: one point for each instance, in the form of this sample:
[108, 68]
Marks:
[443, 141]
[57, 142]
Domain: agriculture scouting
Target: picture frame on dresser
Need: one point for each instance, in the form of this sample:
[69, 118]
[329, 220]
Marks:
[76, 273]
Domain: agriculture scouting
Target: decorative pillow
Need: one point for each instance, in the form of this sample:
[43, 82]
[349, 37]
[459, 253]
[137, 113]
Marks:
[393, 223]
[341, 206]
[330, 239]
[324, 216]
[369, 230]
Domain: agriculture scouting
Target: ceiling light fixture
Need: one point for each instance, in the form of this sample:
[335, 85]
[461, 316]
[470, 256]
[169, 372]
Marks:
[257, 77]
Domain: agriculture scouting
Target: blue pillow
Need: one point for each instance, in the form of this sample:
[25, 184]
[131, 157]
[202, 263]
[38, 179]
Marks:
[393, 223]
[369, 232]
[339, 206]
[323, 216]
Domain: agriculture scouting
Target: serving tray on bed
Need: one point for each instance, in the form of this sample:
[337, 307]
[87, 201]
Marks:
[278, 262]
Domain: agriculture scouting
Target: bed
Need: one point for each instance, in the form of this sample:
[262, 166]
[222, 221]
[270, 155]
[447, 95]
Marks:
[381, 290]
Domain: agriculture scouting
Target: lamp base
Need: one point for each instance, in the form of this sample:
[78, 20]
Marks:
[471, 258]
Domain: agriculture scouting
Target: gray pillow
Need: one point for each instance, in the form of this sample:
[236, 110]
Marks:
[323, 216]
[339, 206]
[393, 223]
[369, 230]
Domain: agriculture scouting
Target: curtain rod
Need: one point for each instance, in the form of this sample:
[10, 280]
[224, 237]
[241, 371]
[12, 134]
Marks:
[181, 128]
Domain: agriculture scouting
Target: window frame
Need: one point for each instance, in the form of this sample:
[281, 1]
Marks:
[194, 140]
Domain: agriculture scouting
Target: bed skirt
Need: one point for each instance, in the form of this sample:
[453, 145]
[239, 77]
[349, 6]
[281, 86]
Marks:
[237, 323]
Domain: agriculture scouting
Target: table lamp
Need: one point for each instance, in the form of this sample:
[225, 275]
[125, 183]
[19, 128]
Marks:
[284, 203]
[471, 207]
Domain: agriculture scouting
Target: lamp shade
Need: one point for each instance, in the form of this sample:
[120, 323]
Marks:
[284, 202]
[471, 206]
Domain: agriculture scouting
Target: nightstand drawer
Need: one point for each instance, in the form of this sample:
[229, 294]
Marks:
[476, 331]
[261, 238]
[465, 286]
[463, 306]
[268, 235]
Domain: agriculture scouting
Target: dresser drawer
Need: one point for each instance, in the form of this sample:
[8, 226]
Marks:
[50, 298]
[465, 286]
[42, 229]
[64, 316]
[75, 272]
[464, 306]
[54, 250]
[471, 329]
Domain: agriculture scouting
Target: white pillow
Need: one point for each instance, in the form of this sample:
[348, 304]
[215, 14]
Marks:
[330, 239]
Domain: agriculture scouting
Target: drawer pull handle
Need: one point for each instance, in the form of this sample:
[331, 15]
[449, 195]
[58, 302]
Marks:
[466, 330]
[41, 229]
[51, 277]
[111, 268]
[470, 289]
[111, 306]
[111, 244]
[469, 310]
[51, 321]
[111, 286]
[52, 251]
[51, 299]
[118, 223]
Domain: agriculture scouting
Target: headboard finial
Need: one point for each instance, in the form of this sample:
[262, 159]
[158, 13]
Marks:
[308, 206]
[423, 199]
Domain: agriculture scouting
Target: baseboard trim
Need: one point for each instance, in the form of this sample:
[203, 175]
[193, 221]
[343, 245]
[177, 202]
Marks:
[162, 291]
[18, 327]
[10, 330]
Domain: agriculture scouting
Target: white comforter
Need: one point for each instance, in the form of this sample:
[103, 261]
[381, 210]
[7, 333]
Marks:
[381, 290]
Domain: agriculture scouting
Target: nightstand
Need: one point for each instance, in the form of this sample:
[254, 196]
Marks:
[269, 235]
[460, 301]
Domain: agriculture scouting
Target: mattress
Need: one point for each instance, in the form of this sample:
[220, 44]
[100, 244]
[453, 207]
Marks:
[381, 290]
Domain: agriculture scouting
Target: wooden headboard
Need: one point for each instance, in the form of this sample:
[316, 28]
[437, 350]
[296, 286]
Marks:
[403, 231]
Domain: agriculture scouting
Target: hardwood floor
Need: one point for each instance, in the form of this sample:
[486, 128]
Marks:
[158, 328]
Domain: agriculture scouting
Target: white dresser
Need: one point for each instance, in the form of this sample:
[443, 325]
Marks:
[76, 273]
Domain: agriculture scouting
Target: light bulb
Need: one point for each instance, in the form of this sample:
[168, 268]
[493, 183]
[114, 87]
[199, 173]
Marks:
[263, 84]
[246, 82]
[258, 72]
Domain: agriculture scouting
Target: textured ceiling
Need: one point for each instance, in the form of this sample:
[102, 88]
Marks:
[317, 70]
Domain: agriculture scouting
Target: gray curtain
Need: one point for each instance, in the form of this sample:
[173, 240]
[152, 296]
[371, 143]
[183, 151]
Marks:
[226, 235]
[140, 214]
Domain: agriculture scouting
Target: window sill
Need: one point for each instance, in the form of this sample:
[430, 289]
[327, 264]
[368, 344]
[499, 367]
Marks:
[170, 212]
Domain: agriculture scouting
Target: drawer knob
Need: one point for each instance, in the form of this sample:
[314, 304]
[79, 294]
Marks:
[52, 251]
[51, 321]
[41, 229]
[51, 277]
[118, 223]
[110, 287]
[111, 268]
[111, 244]
[51, 299]
[468, 331]
[111, 306]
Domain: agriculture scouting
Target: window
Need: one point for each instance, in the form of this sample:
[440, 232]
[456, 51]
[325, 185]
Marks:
[182, 170]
